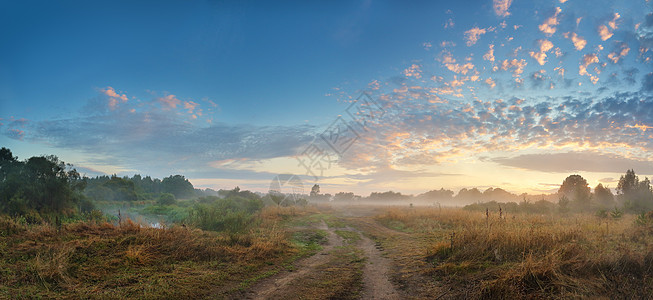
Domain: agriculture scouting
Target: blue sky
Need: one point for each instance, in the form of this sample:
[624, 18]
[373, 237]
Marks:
[516, 94]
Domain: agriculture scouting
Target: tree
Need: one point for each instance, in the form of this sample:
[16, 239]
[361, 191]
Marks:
[636, 195]
[121, 189]
[42, 183]
[563, 204]
[315, 190]
[627, 183]
[469, 195]
[179, 186]
[603, 197]
[576, 188]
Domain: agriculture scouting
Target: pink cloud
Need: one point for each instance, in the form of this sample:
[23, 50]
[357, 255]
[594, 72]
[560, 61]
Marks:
[540, 56]
[413, 71]
[17, 133]
[549, 25]
[190, 106]
[618, 54]
[587, 60]
[114, 98]
[490, 54]
[450, 63]
[501, 7]
[490, 82]
[579, 42]
[604, 32]
[473, 35]
[169, 101]
[516, 65]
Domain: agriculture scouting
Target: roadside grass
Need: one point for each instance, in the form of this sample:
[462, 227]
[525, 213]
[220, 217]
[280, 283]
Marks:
[350, 237]
[128, 260]
[526, 256]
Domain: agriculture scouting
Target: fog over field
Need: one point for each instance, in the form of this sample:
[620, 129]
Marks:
[483, 149]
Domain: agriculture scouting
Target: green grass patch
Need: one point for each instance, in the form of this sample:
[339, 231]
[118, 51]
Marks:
[349, 236]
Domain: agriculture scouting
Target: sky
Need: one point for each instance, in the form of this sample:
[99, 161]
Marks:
[357, 96]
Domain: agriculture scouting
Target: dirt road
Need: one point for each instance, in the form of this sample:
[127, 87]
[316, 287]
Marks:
[352, 267]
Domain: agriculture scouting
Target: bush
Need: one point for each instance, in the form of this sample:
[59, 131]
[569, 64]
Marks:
[167, 199]
[234, 214]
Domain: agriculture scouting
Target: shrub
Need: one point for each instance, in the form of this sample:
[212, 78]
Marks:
[234, 214]
[167, 199]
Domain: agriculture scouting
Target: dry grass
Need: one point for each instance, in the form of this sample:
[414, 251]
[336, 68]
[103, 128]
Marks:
[526, 256]
[131, 261]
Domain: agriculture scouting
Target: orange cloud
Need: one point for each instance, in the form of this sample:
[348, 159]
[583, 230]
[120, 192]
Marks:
[114, 98]
[169, 101]
[190, 106]
[617, 55]
[604, 32]
[516, 65]
[549, 25]
[501, 7]
[587, 60]
[613, 22]
[450, 63]
[540, 56]
[413, 71]
[579, 42]
[490, 54]
[473, 35]
[490, 82]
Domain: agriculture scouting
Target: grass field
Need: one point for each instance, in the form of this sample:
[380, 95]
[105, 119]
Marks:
[531, 256]
[336, 253]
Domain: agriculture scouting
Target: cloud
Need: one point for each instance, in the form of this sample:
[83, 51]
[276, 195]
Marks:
[579, 42]
[490, 54]
[577, 161]
[619, 53]
[517, 66]
[16, 134]
[561, 71]
[647, 83]
[549, 25]
[145, 139]
[538, 78]
[413, 71]
[490, 82]
[169, 101]
[501, 7]
[113, 97]
[587, 60]
[449, 23]
[613, 23]
[540, 56]
[450, 63]
[473, 35]
[16, 128]
[604, 32]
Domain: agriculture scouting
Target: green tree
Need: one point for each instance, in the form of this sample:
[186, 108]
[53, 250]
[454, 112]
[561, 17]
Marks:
[121, 189]
[42, 183]
[603, 197]
[576, 188]
[178, 185]
[563, 204]
[315, 190]
[636, 195]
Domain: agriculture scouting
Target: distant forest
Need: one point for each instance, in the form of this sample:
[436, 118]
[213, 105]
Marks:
[46, 186]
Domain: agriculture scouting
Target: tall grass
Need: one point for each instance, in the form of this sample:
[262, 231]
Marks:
[530, 255]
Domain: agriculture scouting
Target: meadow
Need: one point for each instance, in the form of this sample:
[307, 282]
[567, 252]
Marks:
[420, 252]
